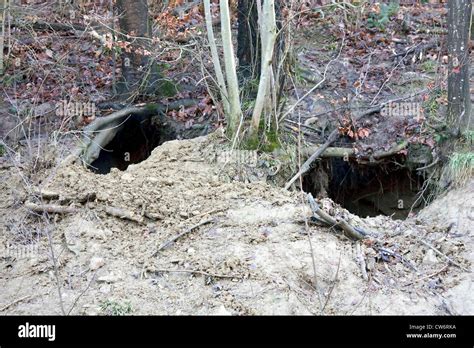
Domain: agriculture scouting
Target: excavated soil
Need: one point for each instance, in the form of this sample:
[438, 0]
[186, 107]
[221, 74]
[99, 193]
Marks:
[250, 252]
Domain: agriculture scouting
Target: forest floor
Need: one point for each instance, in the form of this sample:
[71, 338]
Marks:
[250, 246]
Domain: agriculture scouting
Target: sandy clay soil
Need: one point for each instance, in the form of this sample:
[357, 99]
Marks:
[250, 251]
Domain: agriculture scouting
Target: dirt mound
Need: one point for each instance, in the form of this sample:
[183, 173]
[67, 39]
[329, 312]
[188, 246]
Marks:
[244, 248]
[455, 212]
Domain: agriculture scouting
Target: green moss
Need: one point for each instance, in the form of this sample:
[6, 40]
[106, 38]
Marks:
[431, 106]
[266, 141]
[428, 66]
[271, 141]
[167, 88]
[115, 308]
[468, 137]
[251, 143]
[152, 108]
[381, 19]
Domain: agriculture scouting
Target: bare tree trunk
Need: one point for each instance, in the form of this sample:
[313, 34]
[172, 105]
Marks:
[134, 27]
[268, 33]
[459, 102]
[235, 112]
[3, 19]
[114, 56]
[215, 57]
[472, 23]
[248, 38]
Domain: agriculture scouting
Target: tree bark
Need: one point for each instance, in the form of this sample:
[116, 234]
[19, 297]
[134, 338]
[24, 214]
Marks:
[235, 112]
[3, 19]
[268, 33]
[472, 23]
[459, 102]
[248, 39]
[135, 29]
[215, 58]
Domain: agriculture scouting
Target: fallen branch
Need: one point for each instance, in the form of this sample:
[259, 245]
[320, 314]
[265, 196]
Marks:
[46, 194]
[175, 238]
[21, 299]
[341, 223]
[443, 255]
[198, 272]
[49, 208]
[53, 195]
[123, 214]
[41, 25]
[361, 261]
[417, 48]
[307, 165]
[428, 276]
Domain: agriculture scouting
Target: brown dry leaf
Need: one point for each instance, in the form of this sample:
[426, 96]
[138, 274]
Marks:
[363, 133]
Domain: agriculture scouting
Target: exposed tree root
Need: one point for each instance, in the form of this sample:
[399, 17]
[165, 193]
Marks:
[350, 152]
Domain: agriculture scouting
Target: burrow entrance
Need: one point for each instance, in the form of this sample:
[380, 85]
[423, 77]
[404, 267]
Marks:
[387, 188]
[133, 143]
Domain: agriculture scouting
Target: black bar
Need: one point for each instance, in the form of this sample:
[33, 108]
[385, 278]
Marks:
[380, 331]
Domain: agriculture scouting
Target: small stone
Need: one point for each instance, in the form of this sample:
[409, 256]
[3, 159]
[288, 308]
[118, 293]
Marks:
[191, 251]
[34, 261]
[127, 177]
[96, 263]
[371, 263]
[110, 278]
[105, 289]
[430, 258]
[408, 232]
[222, 311]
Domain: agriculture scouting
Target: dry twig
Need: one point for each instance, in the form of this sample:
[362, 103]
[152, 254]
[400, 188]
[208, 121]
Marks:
[175, 238]
[49, 208]
[344, 225]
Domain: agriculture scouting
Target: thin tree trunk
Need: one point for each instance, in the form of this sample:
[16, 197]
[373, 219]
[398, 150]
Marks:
[134, 27]
[114, 57]
[248, 38]
[268, 33]
[3, 14]
[459, 102]
[215, 57]
[472, 23]
[230, 69]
